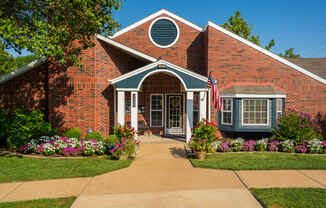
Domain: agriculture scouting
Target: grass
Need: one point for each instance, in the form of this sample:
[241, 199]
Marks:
[291, 197]
[262, 161]
[41, 203]
[27, 169]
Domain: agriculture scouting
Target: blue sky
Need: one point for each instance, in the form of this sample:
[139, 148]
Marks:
[292, 23]
[298, 24]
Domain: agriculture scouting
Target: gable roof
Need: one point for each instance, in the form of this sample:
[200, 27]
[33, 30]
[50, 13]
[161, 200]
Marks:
[22, 70]
[126, 48]
[314, 65]
[160, 66]
[152, 16]
[311, 67]
[266, 52]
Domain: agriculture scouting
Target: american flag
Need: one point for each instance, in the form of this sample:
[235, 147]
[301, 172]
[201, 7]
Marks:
[211, 83]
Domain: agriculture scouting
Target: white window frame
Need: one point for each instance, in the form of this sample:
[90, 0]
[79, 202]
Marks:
[268, 112]
[281, 105]
[150, 29]
[157, 110]
[222, 110]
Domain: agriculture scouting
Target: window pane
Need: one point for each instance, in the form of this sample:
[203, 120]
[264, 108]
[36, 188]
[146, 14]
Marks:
[227, 117]
[127, 105]
[157, 102]
[156, 118]
[255, 111]
[196, 101]
[226, 111]
[196, 118]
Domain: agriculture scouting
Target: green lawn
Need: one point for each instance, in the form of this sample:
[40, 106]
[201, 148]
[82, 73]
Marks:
[41, 203]
[26, 169]
[291, 197]
[262, 161]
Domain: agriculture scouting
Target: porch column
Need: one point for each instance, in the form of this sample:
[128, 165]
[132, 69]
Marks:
[190, 113]
[134, 111]
[121, 107]
[202, 105]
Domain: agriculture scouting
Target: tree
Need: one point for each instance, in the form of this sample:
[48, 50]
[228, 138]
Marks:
[289, 53]
[9, 63]
[239, 26]
[58, 29]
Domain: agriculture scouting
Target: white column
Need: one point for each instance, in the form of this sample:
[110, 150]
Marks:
[202, 105]
[121, 107]
[134, 111]
[190, 113]
[115, 106]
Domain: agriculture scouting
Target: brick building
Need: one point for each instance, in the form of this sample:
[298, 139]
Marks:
[152, 75]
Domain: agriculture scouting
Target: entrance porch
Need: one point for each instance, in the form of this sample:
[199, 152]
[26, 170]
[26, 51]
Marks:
[161, 99]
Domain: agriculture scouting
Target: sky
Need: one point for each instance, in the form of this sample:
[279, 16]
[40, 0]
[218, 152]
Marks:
[298, 24]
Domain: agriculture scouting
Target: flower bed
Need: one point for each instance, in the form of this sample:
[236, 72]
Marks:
[314, 146]
[120, 144]
[63, 146]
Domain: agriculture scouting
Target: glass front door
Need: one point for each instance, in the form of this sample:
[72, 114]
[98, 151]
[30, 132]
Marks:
[174, 114]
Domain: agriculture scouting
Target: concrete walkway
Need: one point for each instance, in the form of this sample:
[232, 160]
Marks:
[162, 177]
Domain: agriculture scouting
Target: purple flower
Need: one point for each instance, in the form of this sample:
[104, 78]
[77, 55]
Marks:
[301, 148]
[249, 145]
[63, 139]
[224, 147]
[273, 146]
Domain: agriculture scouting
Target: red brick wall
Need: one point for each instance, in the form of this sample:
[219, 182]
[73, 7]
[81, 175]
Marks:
[234, 63]
[27, 90]
[86, 99]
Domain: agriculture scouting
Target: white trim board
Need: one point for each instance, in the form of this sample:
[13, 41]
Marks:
[253, 96]
[22, 70]
[126, 48]
[152, 16]
[266, 52]
[163, 62]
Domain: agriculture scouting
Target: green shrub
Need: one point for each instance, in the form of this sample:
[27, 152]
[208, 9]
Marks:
[297, 127]
[73, 133]
[205, 133]
[97, 136]
[21, 125]
[112, 139]
[206, 130]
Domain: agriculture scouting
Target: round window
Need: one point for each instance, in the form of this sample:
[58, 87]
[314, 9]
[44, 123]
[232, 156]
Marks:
[164, 32]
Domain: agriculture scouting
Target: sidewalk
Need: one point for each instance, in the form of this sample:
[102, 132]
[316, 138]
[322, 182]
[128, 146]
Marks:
[162, 177]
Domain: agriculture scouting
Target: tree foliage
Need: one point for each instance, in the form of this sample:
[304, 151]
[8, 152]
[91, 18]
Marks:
[57, 29]
[239, 26]
[8, 63]
[289, 53]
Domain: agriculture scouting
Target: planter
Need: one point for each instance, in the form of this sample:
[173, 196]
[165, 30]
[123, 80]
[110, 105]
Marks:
[124, 156]
[200, 155]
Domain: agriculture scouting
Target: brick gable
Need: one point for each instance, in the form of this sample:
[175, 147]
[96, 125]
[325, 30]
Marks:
[187, 52]
[234, 63]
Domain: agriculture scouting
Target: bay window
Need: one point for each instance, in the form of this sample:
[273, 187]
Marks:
[226, 111]
[255, 111]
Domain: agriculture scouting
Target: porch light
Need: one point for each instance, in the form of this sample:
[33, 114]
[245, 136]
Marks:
[161, 66]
